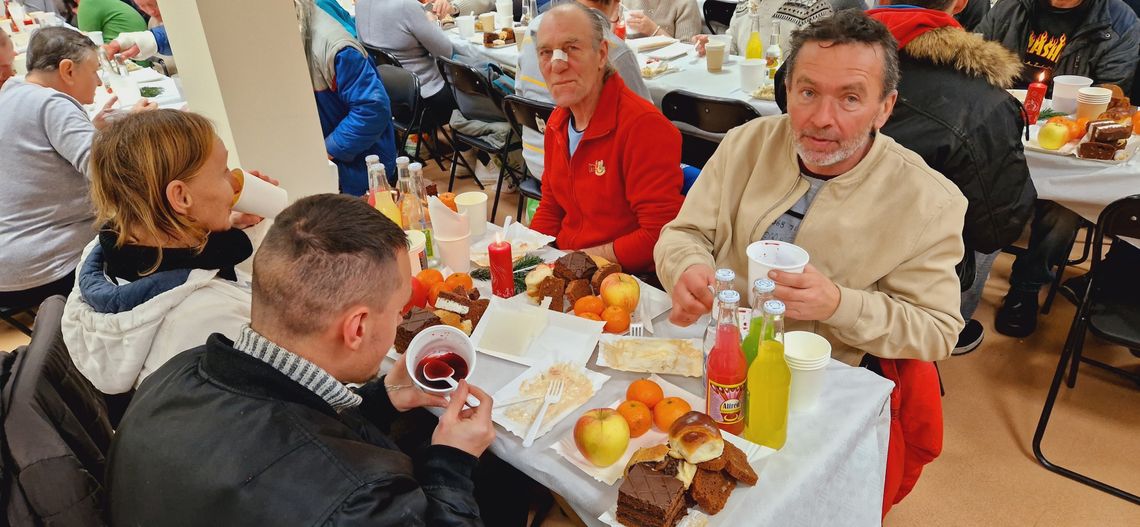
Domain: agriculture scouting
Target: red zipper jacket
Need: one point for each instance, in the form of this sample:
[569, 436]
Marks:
[622, 184]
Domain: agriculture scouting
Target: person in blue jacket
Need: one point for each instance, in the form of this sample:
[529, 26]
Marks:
[353, 106]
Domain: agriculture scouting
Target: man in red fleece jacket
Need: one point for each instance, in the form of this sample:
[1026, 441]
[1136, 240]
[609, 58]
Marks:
[613, 162]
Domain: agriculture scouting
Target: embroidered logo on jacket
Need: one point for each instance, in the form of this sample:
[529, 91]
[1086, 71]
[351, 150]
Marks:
[598, 168]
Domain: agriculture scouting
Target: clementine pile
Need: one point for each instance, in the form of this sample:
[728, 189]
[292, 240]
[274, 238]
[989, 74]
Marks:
[668, 410]
[637, 415]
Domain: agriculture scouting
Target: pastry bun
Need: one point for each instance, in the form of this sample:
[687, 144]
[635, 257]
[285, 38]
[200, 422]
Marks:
[696, 438]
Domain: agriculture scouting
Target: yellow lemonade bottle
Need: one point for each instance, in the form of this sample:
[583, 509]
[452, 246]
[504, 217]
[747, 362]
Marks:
[755, 47]
[766, 410]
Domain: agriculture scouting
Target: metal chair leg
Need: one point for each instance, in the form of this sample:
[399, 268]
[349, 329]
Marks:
[499, 185]
[941, 387]
[454, 159]
[1059, 275]
[11, 321]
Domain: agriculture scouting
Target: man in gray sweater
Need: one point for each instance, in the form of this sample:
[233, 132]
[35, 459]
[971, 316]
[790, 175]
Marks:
[45, 212]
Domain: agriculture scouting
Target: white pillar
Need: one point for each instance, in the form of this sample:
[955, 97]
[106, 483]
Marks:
[243, 65]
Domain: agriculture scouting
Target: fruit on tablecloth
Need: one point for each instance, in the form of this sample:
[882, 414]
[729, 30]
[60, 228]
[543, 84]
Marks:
[460, 280]
[1136, 123]
[1075, 129]
[602, 436]
[637, 416]
[430, 277]
[435, 290]
[617, 320]
[645, 391]
[669, 410]
[590, 304]
[1053, 136]
[591, 316]
[620, 289]
[419, 295]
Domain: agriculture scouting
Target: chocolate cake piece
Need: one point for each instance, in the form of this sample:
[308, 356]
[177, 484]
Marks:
[602, 273]
[737, 466]
[716, 464]
[575, 266]
[648, 498]
[711, 490]
[1091, 150]
[476, 310]
[578, 289]
[455, 301]
[415, 321]
[1111, 133]
[555, 289]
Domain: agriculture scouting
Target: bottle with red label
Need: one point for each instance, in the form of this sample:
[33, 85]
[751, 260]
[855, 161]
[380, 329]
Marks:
[727, 369]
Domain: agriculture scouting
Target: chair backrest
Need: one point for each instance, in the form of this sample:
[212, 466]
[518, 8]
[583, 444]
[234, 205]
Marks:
[703, 121]
[380, 56]
[56, 434]
[529, 113]
[473, 93]
[1119, 218]
[403, 89]
[718, 12]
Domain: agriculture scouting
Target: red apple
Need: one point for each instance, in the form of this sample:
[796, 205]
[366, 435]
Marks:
[602, 435]
[419, 295]
[620, 289]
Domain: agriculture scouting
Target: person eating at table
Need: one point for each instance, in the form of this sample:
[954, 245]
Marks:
[45, 210]
[680, 19]
[268, 416]
[613, 175]
[111, 17]
[824, 178]
[791, 14]
[529, 81]
[1097, 39]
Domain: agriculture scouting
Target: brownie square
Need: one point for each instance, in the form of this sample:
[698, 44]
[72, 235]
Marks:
[648, 498]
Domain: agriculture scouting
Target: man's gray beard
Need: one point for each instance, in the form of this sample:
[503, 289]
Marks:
[844, 152]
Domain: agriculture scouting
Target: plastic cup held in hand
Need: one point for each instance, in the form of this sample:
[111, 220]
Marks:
[768, 255]
[474, 204]
[807, 355]
[439, 340]
[455, 253]
[253, 195]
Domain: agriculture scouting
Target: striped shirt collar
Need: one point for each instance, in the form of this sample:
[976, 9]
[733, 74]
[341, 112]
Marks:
[297, 368]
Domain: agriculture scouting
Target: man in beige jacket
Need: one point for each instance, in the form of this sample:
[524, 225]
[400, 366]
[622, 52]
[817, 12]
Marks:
[883, 229]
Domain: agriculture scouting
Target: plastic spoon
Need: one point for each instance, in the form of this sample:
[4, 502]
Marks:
[437, 370]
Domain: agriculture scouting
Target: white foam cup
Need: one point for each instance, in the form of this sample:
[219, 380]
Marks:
[253, 195]
[438, 338]
[766, 255]
[753, 74]
[417, 242]
[455, 253]
[807, 355]
[466, 25]
[474, 204]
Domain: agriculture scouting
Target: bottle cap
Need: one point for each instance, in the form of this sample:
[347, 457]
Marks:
[372, 159]
[764, 285]
[403, 160]
[774, 307]
[415, 167]
[728, 296]
[725, 275]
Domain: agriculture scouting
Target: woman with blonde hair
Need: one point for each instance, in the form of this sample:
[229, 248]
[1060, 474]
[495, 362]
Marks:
[161, 274]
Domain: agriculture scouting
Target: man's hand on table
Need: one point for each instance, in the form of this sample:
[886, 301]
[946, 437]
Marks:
[691, 296]
[468, 429]
[806, 296]
[700, 41]
[408, 396]
[602, 251]
[443, 8]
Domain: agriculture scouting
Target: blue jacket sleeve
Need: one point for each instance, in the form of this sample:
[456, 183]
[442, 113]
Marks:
[359, 87]
[160, 38]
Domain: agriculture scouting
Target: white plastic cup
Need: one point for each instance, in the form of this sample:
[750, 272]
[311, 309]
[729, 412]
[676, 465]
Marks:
[455, 254]
[807, 355]
[726, 39]
[474, 204]
[766, 255]
[1068, 85]
[432, 340]
[466, 24]
[417, 243]
[714, 56]
[252, 195]
[753, 74]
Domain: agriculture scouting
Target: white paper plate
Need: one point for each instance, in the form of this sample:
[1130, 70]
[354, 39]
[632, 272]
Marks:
[510, 392]
[564, 335]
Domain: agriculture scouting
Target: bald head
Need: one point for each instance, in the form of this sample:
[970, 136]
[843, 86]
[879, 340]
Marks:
[7, 58]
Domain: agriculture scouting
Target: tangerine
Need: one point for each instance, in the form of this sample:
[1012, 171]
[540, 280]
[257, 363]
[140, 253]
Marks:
[430, 277]
[458, 280]
[668, 410]
[590, 316]
[617, 319]
[645, 391]
[589, 304]
[637, 415]
[433, 292]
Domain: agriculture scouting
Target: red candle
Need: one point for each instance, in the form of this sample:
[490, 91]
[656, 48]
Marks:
[1034, 97]
[502, 268]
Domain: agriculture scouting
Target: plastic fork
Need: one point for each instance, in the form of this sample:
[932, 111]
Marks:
[553, 395]
[636, 328]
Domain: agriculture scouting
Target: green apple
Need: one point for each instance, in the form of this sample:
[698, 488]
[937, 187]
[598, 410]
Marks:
[601, 435]
[1053, 136]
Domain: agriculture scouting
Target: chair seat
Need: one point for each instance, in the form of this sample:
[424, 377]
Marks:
[531, 187]
[476, 141]
[1116, 320]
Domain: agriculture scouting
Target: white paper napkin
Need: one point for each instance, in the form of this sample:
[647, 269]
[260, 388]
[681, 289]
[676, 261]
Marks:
[564, 335]
[522, 239]
[446, 223]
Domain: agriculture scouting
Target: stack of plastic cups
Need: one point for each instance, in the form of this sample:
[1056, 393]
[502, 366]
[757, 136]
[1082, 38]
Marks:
[1091, 102]
[807, 355]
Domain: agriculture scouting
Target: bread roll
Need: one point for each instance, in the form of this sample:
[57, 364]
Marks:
[696, 438]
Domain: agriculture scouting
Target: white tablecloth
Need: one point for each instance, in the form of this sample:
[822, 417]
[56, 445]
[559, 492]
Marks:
[830, 472]
[1084, 187]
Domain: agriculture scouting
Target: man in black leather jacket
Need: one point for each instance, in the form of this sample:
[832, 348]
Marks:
[263, 431]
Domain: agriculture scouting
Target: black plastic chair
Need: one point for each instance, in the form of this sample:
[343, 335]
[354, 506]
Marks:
[529, 113]
[1107, 313]
[703, 121]
[720, 13]
[56, 432]
[380, 56]
[477, 100]
[403, 89]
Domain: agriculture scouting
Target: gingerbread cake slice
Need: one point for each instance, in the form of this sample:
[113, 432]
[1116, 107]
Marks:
[575, 266]
[711, 490]
[737, 466]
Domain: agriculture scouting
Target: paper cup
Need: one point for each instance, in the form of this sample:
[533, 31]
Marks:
[487, 22]
[714, 56]
[807, 355]
[474, 204]
[417, 242]
[753, 74]
[766, 255]
[1068, 85]
[432, 340]
[455, 254]
[252, 195]
[466, 24]
[1090, 110]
